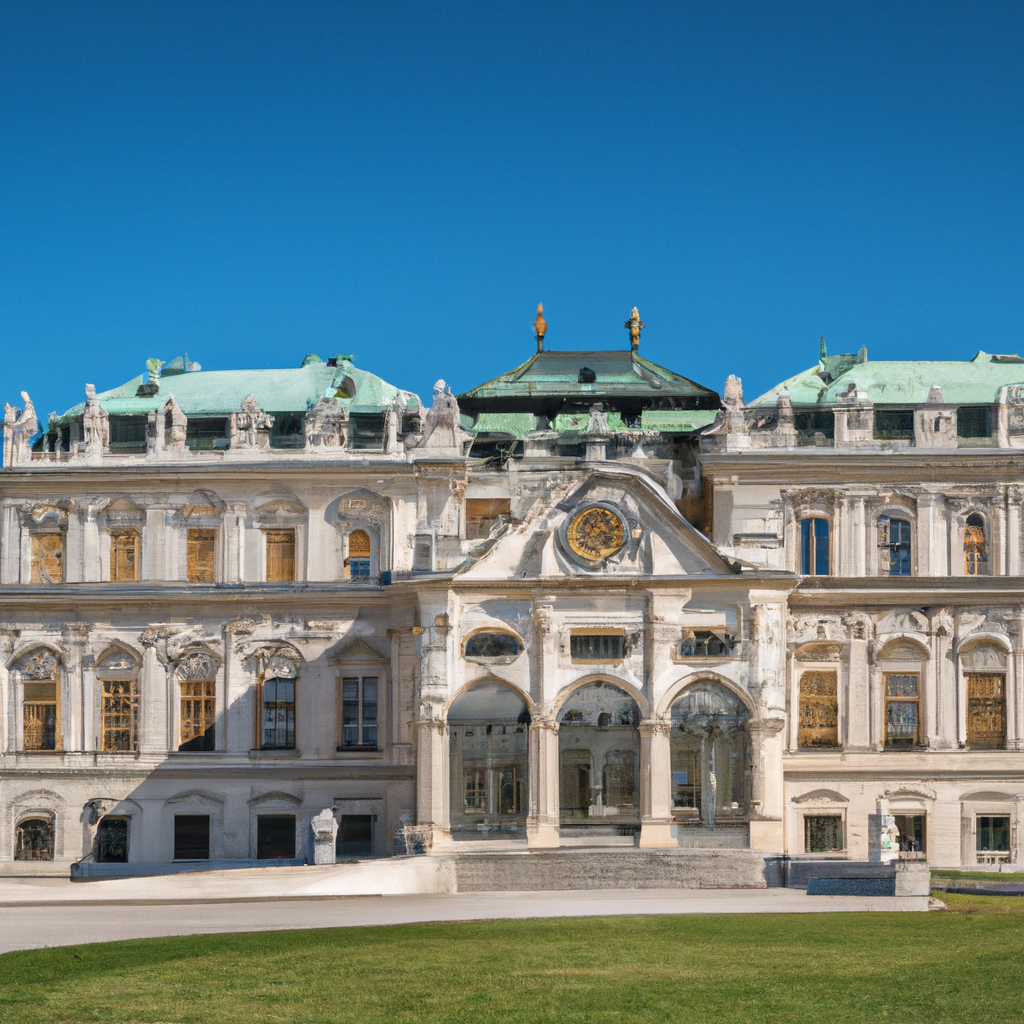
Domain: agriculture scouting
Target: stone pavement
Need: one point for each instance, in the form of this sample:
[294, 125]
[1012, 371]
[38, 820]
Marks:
[36, 913]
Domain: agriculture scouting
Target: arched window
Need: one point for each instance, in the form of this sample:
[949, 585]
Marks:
[975, 553]
[893, 546]
[358, 561]
[40, 675]
[492, 645]
[277, 707]
[34, 839]
[198, 690]
[814, 546]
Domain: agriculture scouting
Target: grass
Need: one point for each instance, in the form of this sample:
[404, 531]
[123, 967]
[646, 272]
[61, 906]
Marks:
[980, 876]
[962, 903]
[809, 968]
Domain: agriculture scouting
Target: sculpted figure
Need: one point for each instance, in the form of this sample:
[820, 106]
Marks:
[95, 421]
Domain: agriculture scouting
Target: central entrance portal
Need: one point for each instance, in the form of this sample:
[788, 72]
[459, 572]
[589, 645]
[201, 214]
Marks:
[599, 754]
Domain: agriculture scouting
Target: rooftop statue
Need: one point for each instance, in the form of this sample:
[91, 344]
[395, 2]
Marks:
[443, 428]
[634, 325]
[20, 426]
[95, 422]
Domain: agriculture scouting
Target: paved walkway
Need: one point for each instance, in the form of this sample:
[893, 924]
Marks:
[32, 923]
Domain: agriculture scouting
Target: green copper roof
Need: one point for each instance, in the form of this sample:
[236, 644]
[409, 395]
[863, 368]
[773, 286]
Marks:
[221, 392]
[616, 373]
[973, 382]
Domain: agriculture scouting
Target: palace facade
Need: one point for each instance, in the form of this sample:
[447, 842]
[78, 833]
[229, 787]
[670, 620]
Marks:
[588, 602]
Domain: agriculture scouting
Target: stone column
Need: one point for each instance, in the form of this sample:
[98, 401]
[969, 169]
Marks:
[155, 710]
[91, 563]
[767, 783]
[8, 698]
[1014, 497]
[542, 821]
[858, 698]
[929, 686]
[876, 701]
[239, 718]
[655, 785]
[997, 542]
[73, 716]
[945, 682]
[432, 782]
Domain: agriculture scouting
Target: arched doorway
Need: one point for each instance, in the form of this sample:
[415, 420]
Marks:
[710, 755]
[488, 735]
[599, 756]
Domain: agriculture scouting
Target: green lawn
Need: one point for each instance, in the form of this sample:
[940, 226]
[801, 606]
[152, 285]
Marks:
[811, 968]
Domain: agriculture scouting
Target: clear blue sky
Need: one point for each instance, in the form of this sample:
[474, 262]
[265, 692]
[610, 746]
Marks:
[405, 181]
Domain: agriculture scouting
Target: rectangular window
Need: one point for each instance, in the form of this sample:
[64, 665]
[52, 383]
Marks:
[124, 557]
[198, 714]
[815, 427]
[823, 833]
[120, 716]
[986, 712]
[278, 714]
[510, 789]
[902, 710]
[366, 431]
[893, 546]
[476, 789]
[819, 710]
[128, 434]
[40, 715]
[288, 431]
[275, 837]
[359, 712]
[911, 828]
[894, 424]
[200, 555]
[483, 513]
[355, 836]
[993, 835]
[202, 433]
[112, 841]
[596, 646]
[814, 547]
[280, 556]
[191, 837]
[47, 558]
[358, 561]
[974, 421]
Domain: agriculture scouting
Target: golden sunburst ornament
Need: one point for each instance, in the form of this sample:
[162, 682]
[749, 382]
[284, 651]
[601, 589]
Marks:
[596, 533]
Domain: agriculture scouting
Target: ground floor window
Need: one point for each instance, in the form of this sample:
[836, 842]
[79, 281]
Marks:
[993, 838]
[275, 837]
[112, 841]
[823, 833]
[34, 839]
[913, 835]
[355, 836]
[191, 837]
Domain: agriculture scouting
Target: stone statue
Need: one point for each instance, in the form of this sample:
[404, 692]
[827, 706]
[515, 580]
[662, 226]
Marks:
[634, 325]
[443, 429]
[325, 832]
[250, 428]
[20, 426]
[95, 422]
[175, 426]
[326, 424]
[540, 327]
[733, 392]
[598, 423]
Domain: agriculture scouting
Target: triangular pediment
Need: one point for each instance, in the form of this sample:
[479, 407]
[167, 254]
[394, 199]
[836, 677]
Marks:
[356, 651]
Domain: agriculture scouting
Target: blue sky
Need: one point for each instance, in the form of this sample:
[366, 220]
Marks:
[254, 181]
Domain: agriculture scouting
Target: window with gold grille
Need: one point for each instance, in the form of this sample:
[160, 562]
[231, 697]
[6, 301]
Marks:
[120, 715]
[902, 710]
[358, 561]
[34, 839]
[198, 714]
[47, 558]
[819, 710]
[280, 556]
[975, 553]
[124, 557]
[200, 556]
[41, 700]
[986, 711]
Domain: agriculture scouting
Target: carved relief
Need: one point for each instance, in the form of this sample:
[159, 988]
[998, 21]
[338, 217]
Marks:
[250, 428]
[198, 665]
[327, 424]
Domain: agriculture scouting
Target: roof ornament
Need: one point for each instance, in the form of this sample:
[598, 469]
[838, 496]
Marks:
[634, 325]
[540, 327]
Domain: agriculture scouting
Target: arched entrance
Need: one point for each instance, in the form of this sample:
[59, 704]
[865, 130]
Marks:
[710, 755]
[599, 756]
[488, 735]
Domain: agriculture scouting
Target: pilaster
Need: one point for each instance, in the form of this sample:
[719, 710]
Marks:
[543, 817]
[655, 784]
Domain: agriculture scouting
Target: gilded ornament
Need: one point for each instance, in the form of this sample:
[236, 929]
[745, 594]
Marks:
[596, 533]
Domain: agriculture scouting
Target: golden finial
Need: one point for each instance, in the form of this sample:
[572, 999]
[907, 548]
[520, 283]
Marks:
[540, 327]
[634, 325]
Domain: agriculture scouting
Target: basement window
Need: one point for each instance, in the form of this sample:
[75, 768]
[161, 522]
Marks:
[191, 837]
[275, 837]
[823, 833]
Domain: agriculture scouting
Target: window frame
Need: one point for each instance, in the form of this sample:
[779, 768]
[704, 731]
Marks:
[31, 816]
[272, 535]
[208, 736]
[884, 542]
[820, 815]
[809, 540]
[278, 706]
[116, 536]
[56, 680]
[577, 636]
[351, 561]
[360, 676]
[974, 549]
[817, 700]
[894, 742]
[37, 558]
[192, 536]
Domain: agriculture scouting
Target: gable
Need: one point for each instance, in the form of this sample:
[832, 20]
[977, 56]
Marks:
[614, 523]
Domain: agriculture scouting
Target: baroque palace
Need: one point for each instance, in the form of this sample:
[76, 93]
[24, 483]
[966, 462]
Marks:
[590, 601]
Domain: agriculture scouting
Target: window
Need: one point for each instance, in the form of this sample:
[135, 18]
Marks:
[112, 841]
[816, 427]
[280, 556]
[124, 557]
[492, 645]
[902, 710]
[993, 838]
[814, 553]
[476, 789]
[483, 513]
[278, 714]
[200, 555]
[191, 837]
[128, 434]
[47, 558]
[894, 424]
[275, 837]
[975, 557]
[986, 711]
[288, 431]
[198, 713]
[359, 712]
[596, 646]
[974, 421]
[40, 673]
[366, 431]
[893, 546]
[203, 432]
[704, 643]
[355, 836]
[912, 830]
[819, 710]
[120, 715]
[358, 561]
[34, 839]
[823, 833]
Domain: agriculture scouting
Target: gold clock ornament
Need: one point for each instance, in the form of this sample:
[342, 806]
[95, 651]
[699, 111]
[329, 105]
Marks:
[596, 533]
